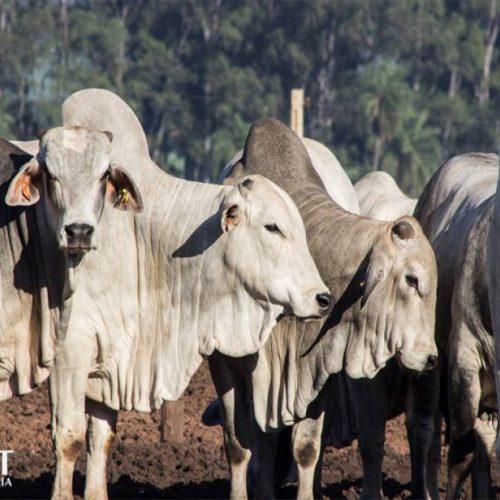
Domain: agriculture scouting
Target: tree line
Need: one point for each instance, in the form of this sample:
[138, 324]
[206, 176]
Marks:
[390, 84]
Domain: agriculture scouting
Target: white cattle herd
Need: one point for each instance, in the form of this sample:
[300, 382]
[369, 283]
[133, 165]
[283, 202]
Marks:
[321, 307]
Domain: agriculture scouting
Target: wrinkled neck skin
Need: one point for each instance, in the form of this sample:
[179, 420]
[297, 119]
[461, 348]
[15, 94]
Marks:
[204, 305]
[339, 241]
[227, 308]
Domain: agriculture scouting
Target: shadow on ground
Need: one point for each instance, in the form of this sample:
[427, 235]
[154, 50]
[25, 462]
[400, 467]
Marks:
[124, 488]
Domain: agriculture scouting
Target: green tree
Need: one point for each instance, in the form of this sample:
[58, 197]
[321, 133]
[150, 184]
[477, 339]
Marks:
[383, 93]
[199, 72]
[413, 151]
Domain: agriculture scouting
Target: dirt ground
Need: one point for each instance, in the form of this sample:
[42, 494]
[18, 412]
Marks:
[143, 467]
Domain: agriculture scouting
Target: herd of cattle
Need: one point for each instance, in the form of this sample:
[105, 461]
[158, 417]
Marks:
[321, 307]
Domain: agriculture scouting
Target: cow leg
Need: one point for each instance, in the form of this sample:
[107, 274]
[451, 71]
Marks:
[306, 445]
[67, 397]
[285, 468]
[238, 456]
[421, 417]
[101, 431]
[486, 431]
[318, 488]
[237, 421]
[371, 406]
[263, 478]
[434, 458]
[464, 392]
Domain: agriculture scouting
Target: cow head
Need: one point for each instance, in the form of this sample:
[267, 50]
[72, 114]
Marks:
[73, 175]
[398, 301]
[267, 248]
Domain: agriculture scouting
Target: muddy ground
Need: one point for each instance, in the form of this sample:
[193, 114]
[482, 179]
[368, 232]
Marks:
[143, 467]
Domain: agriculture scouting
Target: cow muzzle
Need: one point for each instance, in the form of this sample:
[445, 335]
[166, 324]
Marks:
[78, 237]
[311, 310]
[414, 361]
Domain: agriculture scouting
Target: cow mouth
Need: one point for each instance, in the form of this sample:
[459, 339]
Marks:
[76, 249]
[401, 365]
[430, 364]
[302, 319]
[309, 319]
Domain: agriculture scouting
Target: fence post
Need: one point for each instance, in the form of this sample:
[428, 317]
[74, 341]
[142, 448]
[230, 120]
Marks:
[172, 422]
[297, 111]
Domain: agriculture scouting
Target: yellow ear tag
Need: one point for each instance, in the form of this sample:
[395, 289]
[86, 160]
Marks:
[124, 194]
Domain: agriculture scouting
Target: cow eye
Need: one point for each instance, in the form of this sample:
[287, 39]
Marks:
[273, 228]
[412, 281]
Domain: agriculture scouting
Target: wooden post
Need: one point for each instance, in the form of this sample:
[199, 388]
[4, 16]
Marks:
[172, 422]
[297, 111]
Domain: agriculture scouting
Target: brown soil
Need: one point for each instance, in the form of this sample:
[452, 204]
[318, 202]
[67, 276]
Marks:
[140, 466]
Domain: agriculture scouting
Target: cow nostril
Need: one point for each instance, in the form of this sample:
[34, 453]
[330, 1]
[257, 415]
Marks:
[87, 230]
[431, 362]
[77, 231]
[324, 300]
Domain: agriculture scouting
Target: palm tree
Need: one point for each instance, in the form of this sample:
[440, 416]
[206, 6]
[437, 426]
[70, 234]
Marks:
[384, 92]
[416, 149]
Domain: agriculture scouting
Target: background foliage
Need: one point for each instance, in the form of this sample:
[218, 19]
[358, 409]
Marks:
[391, 84]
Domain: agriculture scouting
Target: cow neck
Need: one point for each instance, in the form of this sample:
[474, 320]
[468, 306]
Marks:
[339, 241]
[205, 306]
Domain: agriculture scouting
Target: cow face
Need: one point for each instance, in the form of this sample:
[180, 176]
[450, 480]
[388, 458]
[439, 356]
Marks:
[267, 248]
[400, 296]
[73, 175]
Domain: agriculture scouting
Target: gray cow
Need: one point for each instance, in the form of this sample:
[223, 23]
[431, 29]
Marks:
[382, 276]
[456, 210]
[366, 404]
[203, 268]
[493, 264]
[48, 222]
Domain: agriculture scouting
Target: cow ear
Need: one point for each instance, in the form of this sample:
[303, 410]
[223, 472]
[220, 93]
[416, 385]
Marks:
[231, 217]
[232, 209]
[402, 230]
[121, 190]
[22, 189]
[375, 273]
